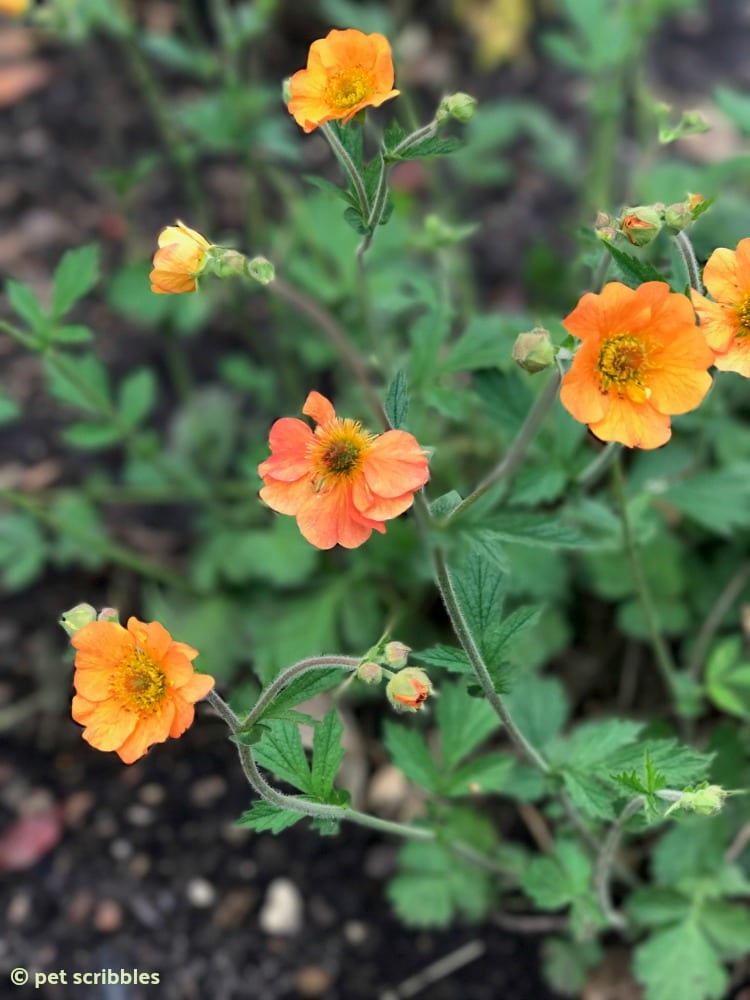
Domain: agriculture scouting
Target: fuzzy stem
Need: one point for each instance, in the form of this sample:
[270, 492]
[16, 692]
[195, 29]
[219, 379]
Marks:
[287, 676]
[715, 616]
[376, 212]
[605, 862]
[598, 465]
[683, 244]
[348, 166]
[517, 451]
[663, 656]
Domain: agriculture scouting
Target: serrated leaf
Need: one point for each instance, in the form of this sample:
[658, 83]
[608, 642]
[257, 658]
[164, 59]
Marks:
[592, 742]
[421, 900]
[632, 270]
[23, 301]
[555, 881]
[137, 396]
[327, 754]
[445, 504]
[538, 530]
[727, 925]
[566, 964]
[718, 499]
[265, 817]
[464, 723]
[281, 751]
[71, 333]
[76, 274]
[446, 657]
[694, 846]
[539, 707]
[679, 765]
[397, 400]
[433, 146]
[480, 590]
[657, 906]
[588, 794]
[409, 751]
[680, 962]
[82, 382]
[354, 217]
[303, 688]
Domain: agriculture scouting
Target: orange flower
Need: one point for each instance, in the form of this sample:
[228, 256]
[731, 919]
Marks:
[642, 359]
[346, 72]
[14, 8]
[135, 686]
[179, 260]
[340, 482]
[726, 321]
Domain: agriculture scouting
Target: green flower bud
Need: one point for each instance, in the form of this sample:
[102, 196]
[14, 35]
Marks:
[108, 615]
[261, 270]
[641, 224]
[678, 216]
[77, 617]
[396, 654]
[460, 106]
[409, 689]
[709, 800]
[534, 351]
[227, 263]
[370, 672]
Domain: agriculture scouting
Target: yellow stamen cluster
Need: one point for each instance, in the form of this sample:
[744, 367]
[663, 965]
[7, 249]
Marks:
[743, 317]
[339, 450]
[347, 88]
[621, 363]
[139, 683]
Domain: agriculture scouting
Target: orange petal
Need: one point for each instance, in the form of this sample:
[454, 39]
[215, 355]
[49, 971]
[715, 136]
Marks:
[109, 725]
[150, 729]
[196, 688]
[328, 518]
[379, 508]
[286, 498]
[718, 323]
[736, 358]
[580, 393]
[150, 636]
[184, 714]
[289, 439]
[395, 464]
[101, 645]
[81, 709]
[637, 425]
[319, 408]
[720, 276]
[168, 283]
[94, 685]
[177, 668]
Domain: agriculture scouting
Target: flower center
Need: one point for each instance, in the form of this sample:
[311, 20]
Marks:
[139, 684]
[743, 317]
[346, 88]
[337, 450]
[621, 363]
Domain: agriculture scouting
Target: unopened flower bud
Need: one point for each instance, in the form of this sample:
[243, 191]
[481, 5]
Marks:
[694, 200]
[261, 270]
[607, 234]
[534, 351]
[77, 617]
[678, 216]
[460, 106]
[227, 263]
[602, 219]
[709, 801]
[370, 672]
[409, 689]
[396, 654]
[108, 615]
[641, 224]
[286, 90]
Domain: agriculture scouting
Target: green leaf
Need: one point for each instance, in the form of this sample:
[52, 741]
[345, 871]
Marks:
[464, 723]
[432, 146]
[736, 106]
[23, 551]
[480, 776]
[694, 846]
[82, 382]
[409, 751]
[480, 590]
[657, 906]
[718, 500]
[327, 754]
[679, 765]
[566, 964]
[592, 742]
[538, 530]
[303, 688]
[486, 343]
[588, 794]
[421, 899]
[76, 274]
[264, 816]
[555, 881]
[281, 751]
[71, 333]
[632, 270]
[728, 678]
[137, 396]
[89, 436]
[446, 657]
[23, 301]
[727, 925]
[539, 707]
[680, 962]
[397, 400]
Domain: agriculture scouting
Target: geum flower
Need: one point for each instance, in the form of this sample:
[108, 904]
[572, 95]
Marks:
[14, 8]
[346, 72]
[134, 686]
[642, 359]
[340, 481]
[181, 257]
[725, 322]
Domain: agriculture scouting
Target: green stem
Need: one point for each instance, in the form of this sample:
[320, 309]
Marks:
[470, 647]
[287, 676]
[221, 16]
[598, 465]
[348, 166]
[108, 550]
[662, 654]
[376, 211]
[606, 860]
[683, 244]
[336, 334]
[714, 618]
[409, 141]
[517, 451]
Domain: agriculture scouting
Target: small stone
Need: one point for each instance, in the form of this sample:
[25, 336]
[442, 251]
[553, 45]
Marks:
[233, 908]
[80, 907]
[121, 849]
[76, 807]
[139, 815]
[19, 909]
[389, 790]
[200, 893]
[312, 981]
[206, 791]
[356, 932]
[152, 794]
[108, 916]
[281, 912]
[139, 865]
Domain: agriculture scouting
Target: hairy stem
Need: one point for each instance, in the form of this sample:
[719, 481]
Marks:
[606, 860]
[348, 166]
[715, 616]
[662, 654]
[683, 244]
[348, 663]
